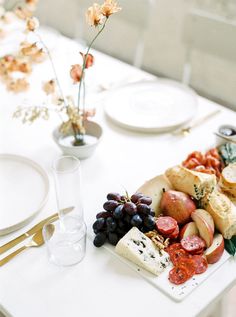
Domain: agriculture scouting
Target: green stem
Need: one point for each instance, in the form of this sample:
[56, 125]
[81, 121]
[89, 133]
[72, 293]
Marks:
[85, 59]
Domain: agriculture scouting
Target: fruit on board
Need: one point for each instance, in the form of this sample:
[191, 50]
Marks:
[177, 205]
[215, 251]
[206, 230]
[206, 216]
[123, 212]
[190, 229]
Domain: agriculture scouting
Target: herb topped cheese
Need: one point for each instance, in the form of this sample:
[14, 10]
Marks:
[139, 249]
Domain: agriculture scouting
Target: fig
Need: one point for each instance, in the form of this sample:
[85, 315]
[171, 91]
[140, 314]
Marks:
[177, 205]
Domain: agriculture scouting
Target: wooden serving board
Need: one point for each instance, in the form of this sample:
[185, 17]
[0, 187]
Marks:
[161, 282]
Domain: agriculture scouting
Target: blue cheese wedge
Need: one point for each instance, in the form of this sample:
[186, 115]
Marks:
[139, 249]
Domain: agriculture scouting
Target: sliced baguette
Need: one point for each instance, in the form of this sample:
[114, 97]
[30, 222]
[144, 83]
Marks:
[223, 211]
[191, 182]
[228, 179]
[154, 189]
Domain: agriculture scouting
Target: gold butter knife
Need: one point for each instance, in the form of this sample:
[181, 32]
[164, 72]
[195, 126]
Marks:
[32, 231]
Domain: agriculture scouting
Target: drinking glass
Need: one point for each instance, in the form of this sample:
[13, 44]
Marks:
[66, 241]
[66, 238]
[67, 179]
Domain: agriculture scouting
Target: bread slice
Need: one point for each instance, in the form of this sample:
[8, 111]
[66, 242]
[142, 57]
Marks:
[191, 182]
[228, 179]
[223, 211]
[154, 189]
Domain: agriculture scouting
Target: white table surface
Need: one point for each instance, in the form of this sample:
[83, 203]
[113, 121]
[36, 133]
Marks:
[100, 285]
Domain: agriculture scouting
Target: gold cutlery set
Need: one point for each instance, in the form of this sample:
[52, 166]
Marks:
[37, 237]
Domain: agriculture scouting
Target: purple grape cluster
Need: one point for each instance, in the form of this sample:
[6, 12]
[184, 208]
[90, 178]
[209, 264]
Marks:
[120, 214]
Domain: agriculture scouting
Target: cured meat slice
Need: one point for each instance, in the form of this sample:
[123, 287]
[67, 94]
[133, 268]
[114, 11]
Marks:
[178, 275]
[173, 247]
[200, 264]
[188, 263]
[166, 225]
[176, 255]
[192, 244]
[175, 234]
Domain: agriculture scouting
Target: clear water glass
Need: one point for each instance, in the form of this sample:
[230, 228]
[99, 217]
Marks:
[66, 238]
[66, 241]
[67, 179]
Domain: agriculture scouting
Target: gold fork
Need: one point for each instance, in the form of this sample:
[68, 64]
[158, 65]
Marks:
[36, 241]
[187, 130]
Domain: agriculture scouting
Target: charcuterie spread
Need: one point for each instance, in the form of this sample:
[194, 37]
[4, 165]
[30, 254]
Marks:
[180, 222]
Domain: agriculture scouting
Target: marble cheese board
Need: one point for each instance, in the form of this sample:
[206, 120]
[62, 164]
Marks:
[161, 282]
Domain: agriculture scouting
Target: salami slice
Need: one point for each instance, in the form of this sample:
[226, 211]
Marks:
[173, 247]
[178, 275]
[176, 255]
[188, 263]
[166, 225]
[200, 264]
[174, 235]
[199, 252]
[192, 244]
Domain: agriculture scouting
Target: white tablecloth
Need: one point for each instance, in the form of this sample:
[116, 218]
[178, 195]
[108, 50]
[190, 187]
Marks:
[100, 285]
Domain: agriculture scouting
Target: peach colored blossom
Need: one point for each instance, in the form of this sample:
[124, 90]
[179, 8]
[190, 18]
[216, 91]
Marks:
[94, 16]
[25, 67]
[32, 24]
[28, 49]
[49, 87]
[17, 85]
[89, 59]
[109, 7]
[23, 13]
[76, 73]
[89, 113]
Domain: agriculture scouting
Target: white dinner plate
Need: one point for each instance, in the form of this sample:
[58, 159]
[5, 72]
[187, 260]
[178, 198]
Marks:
[24, 188]
[152, 106]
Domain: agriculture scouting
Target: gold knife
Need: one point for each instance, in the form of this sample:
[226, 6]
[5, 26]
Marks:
[31, 231]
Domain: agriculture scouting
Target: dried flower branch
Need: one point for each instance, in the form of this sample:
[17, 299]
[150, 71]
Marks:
[72, 116]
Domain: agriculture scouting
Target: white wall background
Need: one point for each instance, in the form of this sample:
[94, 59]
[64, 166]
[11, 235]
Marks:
[160, 31]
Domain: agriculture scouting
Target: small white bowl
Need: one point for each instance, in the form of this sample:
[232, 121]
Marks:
[222, 138]
[93, 129]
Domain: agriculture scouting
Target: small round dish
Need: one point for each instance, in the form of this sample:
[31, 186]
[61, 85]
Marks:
[151, 106]
[225, 133]
[24, 187]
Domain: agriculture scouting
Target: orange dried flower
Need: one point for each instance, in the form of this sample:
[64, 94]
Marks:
[31, 2]
[89, 59]
[23, 13]
[25, 67]
[2, 33]
[94, 15]
[49, 87]
[28, 49]
[17, 85]
[76, 73]
[109, 7]
[39, 56]
[8, 17]
[89, 113]
[32, 24]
